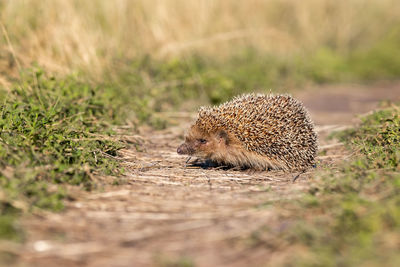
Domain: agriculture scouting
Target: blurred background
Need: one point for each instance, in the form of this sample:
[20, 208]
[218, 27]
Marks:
[163, 55]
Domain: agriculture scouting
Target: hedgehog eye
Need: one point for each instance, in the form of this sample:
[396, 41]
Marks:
[202, 141]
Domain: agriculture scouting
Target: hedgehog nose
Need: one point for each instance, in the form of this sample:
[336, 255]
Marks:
[181, 149]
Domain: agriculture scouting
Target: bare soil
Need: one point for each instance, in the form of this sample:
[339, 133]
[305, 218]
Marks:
[165, 213]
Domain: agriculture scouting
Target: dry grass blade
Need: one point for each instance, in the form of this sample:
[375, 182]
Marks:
[90, 34]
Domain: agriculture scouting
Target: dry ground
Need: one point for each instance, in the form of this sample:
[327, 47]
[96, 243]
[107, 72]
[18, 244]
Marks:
[163, 212]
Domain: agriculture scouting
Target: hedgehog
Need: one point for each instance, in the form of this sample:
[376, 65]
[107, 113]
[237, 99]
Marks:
[256, 131]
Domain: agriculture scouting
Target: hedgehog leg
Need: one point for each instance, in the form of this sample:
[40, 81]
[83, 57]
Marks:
[221, 167]
[208, 163]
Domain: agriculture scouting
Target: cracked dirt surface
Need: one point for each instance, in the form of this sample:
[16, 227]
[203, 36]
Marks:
[165, 212]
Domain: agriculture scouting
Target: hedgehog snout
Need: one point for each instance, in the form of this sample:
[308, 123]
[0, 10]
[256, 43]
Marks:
[184, 149]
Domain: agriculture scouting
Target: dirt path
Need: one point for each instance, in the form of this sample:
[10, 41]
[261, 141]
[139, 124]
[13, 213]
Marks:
[165, 213]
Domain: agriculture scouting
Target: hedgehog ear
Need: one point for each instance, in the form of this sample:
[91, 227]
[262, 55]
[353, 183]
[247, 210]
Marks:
[223, 137]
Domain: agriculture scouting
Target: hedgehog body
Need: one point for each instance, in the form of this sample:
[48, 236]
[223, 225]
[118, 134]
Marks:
[254, 131]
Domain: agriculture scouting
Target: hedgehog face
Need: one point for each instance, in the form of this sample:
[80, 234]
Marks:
[201, 144]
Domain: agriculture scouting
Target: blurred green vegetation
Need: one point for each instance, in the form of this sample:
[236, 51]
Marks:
[168, 261]
[148, 85]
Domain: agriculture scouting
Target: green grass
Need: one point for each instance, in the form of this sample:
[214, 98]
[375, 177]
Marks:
[351, 217]
[53, 132]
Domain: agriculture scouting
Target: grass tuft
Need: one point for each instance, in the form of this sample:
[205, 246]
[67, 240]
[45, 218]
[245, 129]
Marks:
[53, 132]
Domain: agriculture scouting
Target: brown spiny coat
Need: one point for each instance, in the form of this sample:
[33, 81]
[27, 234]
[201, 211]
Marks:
[256, 131]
